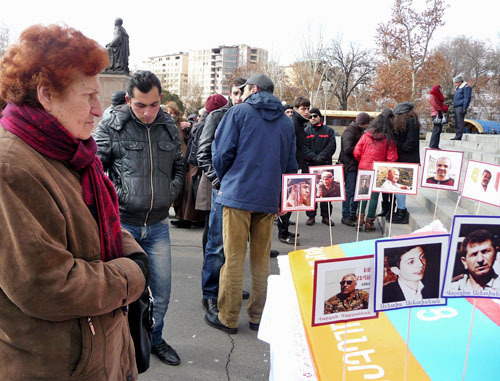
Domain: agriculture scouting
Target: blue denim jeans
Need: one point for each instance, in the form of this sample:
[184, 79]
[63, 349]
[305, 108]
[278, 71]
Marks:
[349, 206]
[155, 241]
[401, 200]
[214, 252]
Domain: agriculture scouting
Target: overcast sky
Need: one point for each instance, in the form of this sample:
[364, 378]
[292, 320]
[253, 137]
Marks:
[169, 26]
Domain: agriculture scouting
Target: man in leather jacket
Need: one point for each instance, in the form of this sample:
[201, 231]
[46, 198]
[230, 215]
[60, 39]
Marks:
[140, 150]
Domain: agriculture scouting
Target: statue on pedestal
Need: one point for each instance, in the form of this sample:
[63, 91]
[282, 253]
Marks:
[118, 50]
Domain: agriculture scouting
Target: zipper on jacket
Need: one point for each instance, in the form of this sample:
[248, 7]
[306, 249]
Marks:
[91, 325]
[150, 175]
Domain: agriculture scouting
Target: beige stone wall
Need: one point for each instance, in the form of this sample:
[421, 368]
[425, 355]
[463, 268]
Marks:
[109, 84]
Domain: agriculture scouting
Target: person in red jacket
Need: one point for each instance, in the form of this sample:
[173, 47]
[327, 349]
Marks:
[438, 108]
[376, 144]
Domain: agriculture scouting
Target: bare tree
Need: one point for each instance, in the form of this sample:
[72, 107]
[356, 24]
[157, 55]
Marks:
[309, 70]
[408, 34]
[347, 69]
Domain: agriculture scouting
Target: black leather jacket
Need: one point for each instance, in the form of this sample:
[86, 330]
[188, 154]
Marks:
[144, 163]
[204, 154]
[299, 123]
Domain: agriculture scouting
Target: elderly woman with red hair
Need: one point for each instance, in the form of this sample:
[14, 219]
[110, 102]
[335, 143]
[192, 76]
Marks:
[66, 266]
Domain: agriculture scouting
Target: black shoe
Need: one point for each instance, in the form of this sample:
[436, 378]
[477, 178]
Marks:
[348, 221]
[274, 253]
[293, 235]
[253, 326]
[198, 224]
[245, 294]
[325, 221]
[213, 321]
[182, 224]
[401, 217]
[386, 206]
[291, 223]
[210, 305]
[311, 221]
[455, 138]
[166, 353]
[289, 240]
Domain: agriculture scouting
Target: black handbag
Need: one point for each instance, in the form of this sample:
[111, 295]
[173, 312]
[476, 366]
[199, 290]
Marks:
[140, 320]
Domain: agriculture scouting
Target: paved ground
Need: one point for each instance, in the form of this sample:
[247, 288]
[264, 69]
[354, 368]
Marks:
[208, 354]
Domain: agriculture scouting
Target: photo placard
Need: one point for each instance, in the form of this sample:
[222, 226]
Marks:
[442, 169]
[409, 272]
[482, 182]
[297, 192]
[392, 177]
[473, 266]
[364, 185]
[330, 185]
[343, 290]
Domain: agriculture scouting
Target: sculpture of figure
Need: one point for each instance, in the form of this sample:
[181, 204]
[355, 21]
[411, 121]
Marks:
[118, 50]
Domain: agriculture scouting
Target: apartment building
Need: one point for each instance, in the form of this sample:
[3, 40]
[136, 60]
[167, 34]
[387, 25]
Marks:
[172, 70]
[210, 69]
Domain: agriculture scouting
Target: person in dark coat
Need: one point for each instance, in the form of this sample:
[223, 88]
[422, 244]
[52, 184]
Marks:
[407, 134]
[319, 148]
[253, 148]
[461, 101]
[349, 139]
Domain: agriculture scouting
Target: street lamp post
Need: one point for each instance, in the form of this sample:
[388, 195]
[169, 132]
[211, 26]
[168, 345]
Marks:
[326, 85]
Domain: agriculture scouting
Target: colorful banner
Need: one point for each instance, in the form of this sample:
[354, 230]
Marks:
[376, 349]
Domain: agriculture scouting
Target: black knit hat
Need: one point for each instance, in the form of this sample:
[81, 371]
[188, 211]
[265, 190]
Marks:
[315, 110]
[403, 107]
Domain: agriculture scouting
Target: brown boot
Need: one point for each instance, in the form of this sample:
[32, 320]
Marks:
[361, 221]
[369, 226]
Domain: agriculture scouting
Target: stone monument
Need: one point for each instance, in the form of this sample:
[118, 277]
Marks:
[115, 77]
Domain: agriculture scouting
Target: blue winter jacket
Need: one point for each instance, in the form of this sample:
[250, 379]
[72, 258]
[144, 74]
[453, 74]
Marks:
[254, 146]
[462, 96]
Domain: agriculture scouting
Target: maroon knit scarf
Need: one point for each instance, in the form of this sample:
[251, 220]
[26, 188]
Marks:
[43, 132]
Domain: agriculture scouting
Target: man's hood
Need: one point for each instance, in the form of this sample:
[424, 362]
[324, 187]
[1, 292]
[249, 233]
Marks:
[267, 104]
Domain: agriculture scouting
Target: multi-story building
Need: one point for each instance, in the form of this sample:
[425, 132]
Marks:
[172, 70]
[210, 69]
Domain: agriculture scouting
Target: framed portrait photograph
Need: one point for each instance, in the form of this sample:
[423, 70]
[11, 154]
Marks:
[364, 184]
[392, 177]
[343, 290]
[330, 184]
[409, 272]
[473, 266]
[441, 169]
[482, 182]
[297, 192]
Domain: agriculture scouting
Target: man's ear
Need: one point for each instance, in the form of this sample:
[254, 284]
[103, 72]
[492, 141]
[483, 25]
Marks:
[127, 99]
[45, 97]
[464, 262]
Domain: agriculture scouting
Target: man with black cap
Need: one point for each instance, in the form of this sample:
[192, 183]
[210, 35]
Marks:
[461, 101]
[349, 139]
[117, 99]
[254, 146]
[319, 148]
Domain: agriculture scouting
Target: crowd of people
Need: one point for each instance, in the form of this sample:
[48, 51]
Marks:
[85, 212]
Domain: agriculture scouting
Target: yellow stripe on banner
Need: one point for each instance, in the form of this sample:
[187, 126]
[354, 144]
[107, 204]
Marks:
[374, 349]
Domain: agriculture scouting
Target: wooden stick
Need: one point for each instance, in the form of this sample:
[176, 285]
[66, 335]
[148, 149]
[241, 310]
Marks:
[345, 345]
[468, 340]
[296, 231]
[436, 207]
[330, 222]
[359, 222]
[407, 343]
[392, 209]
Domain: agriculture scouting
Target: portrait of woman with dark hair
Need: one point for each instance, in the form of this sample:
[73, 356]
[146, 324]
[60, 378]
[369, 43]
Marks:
[415, 279]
